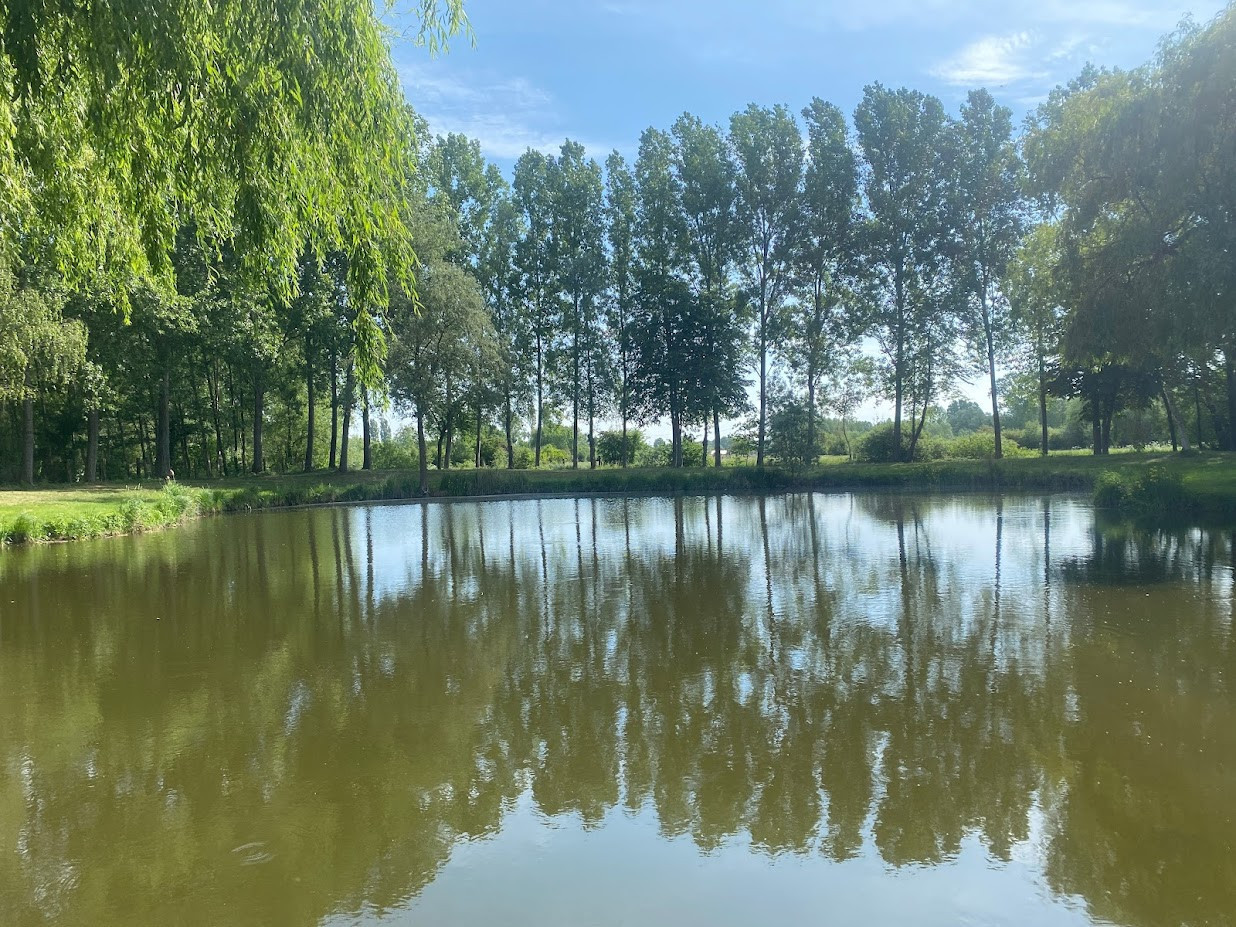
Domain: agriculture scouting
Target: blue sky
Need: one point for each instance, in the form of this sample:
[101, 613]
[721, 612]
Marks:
[601, 72]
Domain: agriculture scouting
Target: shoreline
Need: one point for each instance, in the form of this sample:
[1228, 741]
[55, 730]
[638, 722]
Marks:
[1199, 487]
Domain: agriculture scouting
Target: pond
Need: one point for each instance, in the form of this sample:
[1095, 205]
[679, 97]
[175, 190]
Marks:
[845, 709]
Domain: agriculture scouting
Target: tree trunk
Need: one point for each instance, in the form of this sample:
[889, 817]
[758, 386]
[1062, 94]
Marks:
[1230, 375]
[27, 455]
[716, 435]
[575, 395]
[163, 429]
[310, 399]
[334, 408]
[146, 470]
[1175, 422]
[508, 423]
[259, 402]
[203, 428]
[540, 401]
[214, 385]
[448, 430]
[423, 460]
[624, 439]
[366, 436]
[349, 387]
[809, 451]
[1043, 405]
[1197, 411]
[898, 368]
[592, 414]
[476, 450]
[759, 447]
[676, 430]
[1097, 430]
[704, 445]
[92, 445]
[184, 438]
[916, 430]
[995, 398]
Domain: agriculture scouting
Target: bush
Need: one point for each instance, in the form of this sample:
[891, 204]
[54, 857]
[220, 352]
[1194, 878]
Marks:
[399, 453]
[981, 445]
[656, 456]
[1156, 490]
[24, 528]
[877, 446]
[1110, 490]
[552, 456]
[609, 446]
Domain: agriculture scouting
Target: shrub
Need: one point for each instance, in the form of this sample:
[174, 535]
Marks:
[24, 528]
[1110, 490]
[552, 456]
[656, 456]
[981, 445]
[609, 446]
[1156, 490]
[877, 446]
[1160, 490]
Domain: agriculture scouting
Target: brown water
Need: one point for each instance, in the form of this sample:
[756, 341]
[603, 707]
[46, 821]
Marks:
[834, 709]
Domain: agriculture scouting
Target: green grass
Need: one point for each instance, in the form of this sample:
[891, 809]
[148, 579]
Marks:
[1199, 486]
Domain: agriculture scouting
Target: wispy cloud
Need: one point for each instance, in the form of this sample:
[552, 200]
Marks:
[993, 59]
[507, 115]
[1147, 14]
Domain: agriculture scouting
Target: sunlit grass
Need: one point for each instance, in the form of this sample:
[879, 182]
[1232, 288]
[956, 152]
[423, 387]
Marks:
[1202, 485]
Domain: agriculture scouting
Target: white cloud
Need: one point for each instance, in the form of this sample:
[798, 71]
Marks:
[993, 60]
[506, 115]
[1156, 15]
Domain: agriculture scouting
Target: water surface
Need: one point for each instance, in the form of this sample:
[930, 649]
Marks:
[839, 709]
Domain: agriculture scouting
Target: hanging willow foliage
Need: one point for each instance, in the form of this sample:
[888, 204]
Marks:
[266, 123]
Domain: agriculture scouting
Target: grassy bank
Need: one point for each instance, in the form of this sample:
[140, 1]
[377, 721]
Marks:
[1200, 486]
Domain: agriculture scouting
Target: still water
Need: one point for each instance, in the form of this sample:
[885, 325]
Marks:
[803, 709]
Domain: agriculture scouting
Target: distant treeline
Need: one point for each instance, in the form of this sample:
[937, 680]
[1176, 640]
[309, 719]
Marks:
[1087, 257]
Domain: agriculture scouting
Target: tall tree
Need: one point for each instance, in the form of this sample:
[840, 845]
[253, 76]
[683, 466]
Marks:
[818, 325]
[665, 331]
[1036, 312]
[39, 349]
[578, 241]
[769, 153]
[989, 216]
[903, 137]
[436, 339]
[269, 124]
[500, 286]
[710, 203]
[1138, 163]
[534, 262]
[621, 226]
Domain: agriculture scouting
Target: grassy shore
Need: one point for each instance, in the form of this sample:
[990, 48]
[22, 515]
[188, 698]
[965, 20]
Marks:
[1201, 486]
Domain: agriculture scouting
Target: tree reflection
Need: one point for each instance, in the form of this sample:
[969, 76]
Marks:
[274, 719]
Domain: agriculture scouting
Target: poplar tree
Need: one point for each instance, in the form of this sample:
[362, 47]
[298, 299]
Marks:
[769, 153]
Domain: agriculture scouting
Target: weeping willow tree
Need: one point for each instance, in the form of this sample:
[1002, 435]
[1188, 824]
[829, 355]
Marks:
[268, 124]
[40, 349]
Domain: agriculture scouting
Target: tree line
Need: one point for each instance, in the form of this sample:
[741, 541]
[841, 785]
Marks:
[1087, 252]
